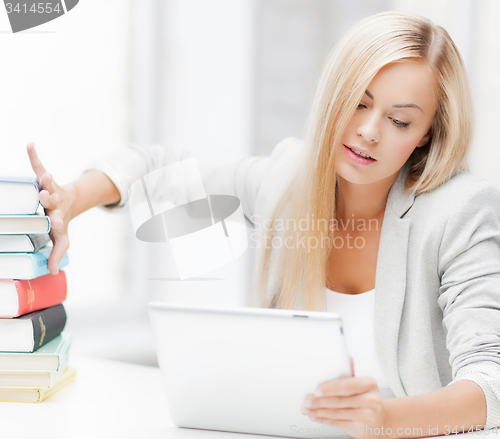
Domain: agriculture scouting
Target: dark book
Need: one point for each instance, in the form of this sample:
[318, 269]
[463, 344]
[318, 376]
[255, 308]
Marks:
[31, 331]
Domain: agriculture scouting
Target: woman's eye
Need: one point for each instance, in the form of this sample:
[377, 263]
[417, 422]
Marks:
[399, 124]
[361, 105]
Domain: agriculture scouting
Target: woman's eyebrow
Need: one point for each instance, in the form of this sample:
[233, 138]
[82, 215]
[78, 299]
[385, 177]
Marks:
[408, 106]
[397, 105]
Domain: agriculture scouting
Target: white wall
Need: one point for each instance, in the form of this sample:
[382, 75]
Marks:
[200, 65]
[64, 86]
[485, 154]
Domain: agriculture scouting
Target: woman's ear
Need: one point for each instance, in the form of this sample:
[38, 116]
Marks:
[425, 139]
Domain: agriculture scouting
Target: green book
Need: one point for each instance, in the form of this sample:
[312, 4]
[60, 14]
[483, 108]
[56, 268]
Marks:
[49, 358]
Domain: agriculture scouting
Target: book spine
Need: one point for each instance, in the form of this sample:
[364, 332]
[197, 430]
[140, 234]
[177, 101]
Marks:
[47, 324]
[64, 352]
[39, 260]
[41, 292]
[40, 265]
[37, 187]
[39, 240]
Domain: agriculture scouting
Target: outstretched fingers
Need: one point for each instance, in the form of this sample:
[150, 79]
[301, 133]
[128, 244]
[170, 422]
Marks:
[52, 198]
[48, 183]
[36, 164]
[45, 179]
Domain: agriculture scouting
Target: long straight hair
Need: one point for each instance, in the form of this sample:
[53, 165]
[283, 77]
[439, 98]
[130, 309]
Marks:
[368, 46]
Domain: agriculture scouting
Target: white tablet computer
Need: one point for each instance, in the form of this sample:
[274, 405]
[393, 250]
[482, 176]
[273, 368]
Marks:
[247, 370]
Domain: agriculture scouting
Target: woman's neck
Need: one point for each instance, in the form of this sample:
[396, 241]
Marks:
[362, 201]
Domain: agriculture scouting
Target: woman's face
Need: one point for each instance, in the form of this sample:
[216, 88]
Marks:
[392, 119]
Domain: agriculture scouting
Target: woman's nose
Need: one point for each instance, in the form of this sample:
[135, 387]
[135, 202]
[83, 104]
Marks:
[368, 129]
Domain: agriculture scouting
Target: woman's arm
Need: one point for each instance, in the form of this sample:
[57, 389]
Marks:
[108, 179]
[459, 407]
[63, 203]
[354, 404]
[92, 189]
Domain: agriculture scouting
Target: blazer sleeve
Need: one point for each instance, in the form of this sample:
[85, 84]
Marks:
[240, 177]
[469, 296]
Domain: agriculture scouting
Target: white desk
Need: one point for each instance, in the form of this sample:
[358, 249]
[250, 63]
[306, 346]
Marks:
[108, 399]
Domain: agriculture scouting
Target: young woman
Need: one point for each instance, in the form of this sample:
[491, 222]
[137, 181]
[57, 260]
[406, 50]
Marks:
[417, 280]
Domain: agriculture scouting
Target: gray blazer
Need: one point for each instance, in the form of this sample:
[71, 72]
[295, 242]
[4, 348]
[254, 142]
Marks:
[437, 302]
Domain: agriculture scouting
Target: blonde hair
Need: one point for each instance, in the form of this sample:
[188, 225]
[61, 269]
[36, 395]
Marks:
[367, 47]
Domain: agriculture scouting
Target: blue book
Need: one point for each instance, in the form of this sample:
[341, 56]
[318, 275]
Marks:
[27, 265]
[18, 196]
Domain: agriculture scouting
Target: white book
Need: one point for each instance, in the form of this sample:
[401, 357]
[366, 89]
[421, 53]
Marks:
[20, 394]
[18, 196]
[24, 224]
[37, 380]
[23, 243]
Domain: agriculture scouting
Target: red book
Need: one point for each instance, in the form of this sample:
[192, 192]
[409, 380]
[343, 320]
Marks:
[18, 297]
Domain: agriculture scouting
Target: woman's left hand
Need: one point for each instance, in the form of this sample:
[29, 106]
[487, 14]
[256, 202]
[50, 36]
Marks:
[351, 403]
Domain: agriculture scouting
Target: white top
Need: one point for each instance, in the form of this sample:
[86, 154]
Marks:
[357, 314]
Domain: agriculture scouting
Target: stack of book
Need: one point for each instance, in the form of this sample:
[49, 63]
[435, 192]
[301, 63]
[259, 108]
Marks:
[33, 348]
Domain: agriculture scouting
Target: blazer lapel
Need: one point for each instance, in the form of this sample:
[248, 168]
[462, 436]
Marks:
[390, 281]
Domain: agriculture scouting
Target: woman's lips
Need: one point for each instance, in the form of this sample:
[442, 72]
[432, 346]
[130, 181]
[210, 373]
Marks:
[358, 159]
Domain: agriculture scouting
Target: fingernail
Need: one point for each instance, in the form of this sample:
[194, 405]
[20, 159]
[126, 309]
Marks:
[318, 392]
[306, 405]
[312, 416]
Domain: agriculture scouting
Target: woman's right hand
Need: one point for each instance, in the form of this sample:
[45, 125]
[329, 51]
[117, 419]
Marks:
[57, 202]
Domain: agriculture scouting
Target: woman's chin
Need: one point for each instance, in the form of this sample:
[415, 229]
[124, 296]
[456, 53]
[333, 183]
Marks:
[355, 175]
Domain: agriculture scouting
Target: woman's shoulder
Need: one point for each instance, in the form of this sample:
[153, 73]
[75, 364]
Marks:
[287, 150]
[281, 167]
[465, 179]
[465, 184]
[285, 159]
[465, 193]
